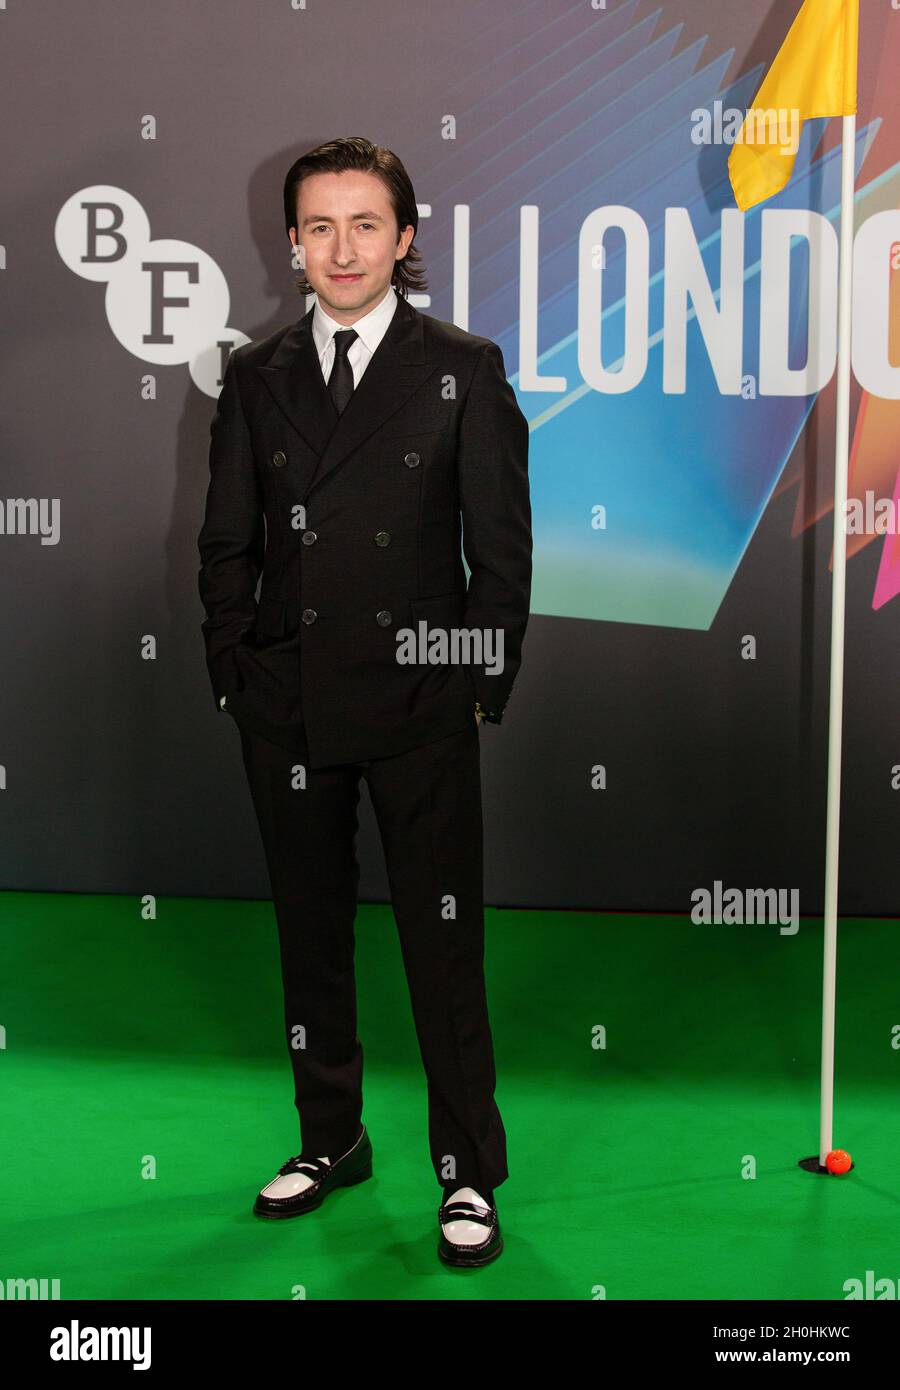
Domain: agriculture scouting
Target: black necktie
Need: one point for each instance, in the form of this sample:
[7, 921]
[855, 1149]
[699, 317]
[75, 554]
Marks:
[340, 382]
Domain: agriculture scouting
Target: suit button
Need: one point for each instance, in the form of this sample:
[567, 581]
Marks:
[279, 459]
[411, 460]
[309, 615]
[383, 619]
[383, 538]
[309, 538]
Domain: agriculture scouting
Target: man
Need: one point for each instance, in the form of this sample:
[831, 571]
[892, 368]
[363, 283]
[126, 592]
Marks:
[352, 456]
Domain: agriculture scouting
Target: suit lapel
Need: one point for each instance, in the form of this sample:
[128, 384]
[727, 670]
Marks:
[293, 375]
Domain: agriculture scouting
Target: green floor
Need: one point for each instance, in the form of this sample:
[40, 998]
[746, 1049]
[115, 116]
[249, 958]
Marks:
[129, 1041]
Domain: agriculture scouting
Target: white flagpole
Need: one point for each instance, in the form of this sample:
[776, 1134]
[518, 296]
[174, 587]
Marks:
[838, 590]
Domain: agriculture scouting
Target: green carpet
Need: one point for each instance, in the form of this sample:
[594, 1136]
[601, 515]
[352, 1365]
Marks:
[137, 1046]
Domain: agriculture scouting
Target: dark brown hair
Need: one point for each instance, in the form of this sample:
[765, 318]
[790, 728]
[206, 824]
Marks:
[355, 152]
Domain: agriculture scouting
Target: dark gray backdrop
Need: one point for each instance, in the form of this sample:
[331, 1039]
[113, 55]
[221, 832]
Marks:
[120, 777]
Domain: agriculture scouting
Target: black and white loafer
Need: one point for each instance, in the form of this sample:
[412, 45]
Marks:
[470, 1230]
[302, 1184]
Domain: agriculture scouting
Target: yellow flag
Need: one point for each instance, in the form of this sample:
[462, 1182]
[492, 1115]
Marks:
[814, 74]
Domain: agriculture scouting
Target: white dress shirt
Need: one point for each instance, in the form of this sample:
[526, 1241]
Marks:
[371, 328]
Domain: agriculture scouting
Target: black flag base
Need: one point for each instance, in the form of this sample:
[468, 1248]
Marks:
[812, 1165]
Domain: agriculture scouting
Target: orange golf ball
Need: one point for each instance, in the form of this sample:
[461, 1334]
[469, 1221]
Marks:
[838, 1161]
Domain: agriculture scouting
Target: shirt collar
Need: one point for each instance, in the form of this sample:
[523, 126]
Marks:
[371, 327]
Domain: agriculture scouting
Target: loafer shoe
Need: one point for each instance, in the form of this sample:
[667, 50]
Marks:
[470, 1229]
[302, 1184]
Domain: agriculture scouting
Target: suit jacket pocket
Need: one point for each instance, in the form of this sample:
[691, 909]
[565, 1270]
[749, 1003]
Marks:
[271, 616]
[442, 611]
[408, 427]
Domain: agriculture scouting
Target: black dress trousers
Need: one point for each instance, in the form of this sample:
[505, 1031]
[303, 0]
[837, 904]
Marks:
[427, 803]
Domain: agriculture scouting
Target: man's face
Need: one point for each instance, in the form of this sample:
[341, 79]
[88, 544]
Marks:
[348, 231]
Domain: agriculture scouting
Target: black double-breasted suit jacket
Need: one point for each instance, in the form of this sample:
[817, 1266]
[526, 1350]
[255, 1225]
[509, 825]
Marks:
[353, 527]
